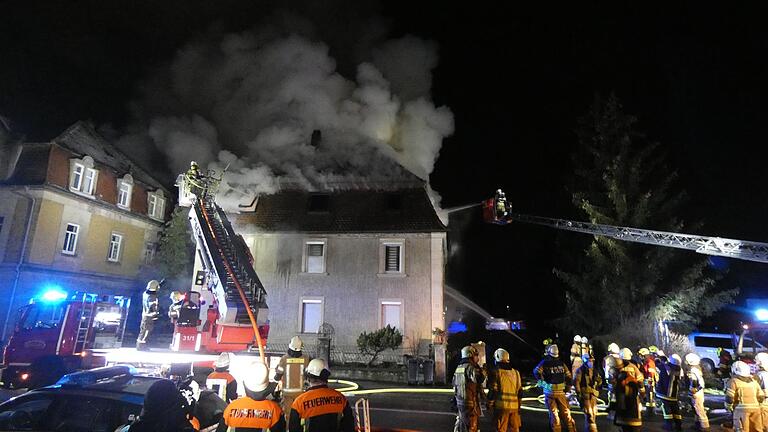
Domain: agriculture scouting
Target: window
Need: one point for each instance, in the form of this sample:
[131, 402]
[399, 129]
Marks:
[90, 181]
[314, 256]
[391, 313]
[149, 252]
[77, 177]
[156, 207]
[124, 189]
[311, 314]
[70, 239]
[713, 342]
[115, 241]
[83, 176]
[391, 256]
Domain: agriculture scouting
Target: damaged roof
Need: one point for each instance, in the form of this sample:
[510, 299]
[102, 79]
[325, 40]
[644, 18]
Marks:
[350, 211]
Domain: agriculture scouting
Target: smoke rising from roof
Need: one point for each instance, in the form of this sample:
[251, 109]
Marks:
[252, 101]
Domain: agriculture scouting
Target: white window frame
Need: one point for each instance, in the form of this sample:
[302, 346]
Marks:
[82, 173]
[115, 247]
[127, 183]
[155, 205]
[70, 234]
[78, 172]
[306, 256]
[383, 244]
[150, 249]
[392, 302]
[311, 300]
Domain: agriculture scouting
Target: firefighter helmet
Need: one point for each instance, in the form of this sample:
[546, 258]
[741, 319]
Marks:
[176, 296]
[660, 353]
[613, 348]
[577, 339]
[153, 285]
[762, 360]
[469, 351]
[223, 361]
[501, 355]
[193, 165]
[296, 344]
[626, 354]
[317, 368]
[653, 349]
[675, 359]
[692, 359]
[643, 351]
[741, 369]
[553, 351]
[584, 340]
[257, 377]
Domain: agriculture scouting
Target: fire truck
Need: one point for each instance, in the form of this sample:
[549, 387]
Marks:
[54, 333]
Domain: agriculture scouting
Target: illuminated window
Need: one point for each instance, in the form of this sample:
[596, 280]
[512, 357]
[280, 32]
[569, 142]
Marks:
[83, 176]
[124, 190]
[391, 313]
[70, 239]
[115, 241]
[311, 314]
[149, 252]
[314, 256]
[391, 256]
[156, 205]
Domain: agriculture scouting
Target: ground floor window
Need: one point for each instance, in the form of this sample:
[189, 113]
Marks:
[311, 314]
[391, 313]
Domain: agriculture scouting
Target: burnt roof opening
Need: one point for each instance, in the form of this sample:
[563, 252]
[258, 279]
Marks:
[319, 203]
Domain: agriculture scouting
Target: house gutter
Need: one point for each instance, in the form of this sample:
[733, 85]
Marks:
[30, 213]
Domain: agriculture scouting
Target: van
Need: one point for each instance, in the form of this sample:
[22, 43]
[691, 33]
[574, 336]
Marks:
[706, 345]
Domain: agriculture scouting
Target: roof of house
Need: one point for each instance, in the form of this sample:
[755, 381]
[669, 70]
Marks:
[32, 166]
[349, 211]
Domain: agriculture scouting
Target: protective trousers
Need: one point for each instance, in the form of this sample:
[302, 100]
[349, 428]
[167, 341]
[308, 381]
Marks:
[764, 415]
[287, 402]
[559, 412]
[697, 400]
[673, 420]
[506, 420]
[466, 419]
[589, 406]
[650, 396]
[147, 324]
[747, 420]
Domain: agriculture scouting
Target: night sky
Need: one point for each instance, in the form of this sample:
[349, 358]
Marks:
[516, 77]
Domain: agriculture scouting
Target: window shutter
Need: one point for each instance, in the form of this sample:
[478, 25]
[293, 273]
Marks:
[392, 258]
[315, 250]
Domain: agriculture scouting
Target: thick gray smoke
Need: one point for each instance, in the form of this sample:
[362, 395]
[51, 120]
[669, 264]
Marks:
[252, 101]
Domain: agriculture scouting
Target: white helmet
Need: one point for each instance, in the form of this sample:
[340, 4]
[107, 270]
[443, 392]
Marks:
[296, 344]
[153, 285]
[613, 348]
[577, 339]
[469, 351]
[223, 361]
[501, 355]
[692, 359]
[584, 339]
[675, 359]
[257, 377]
[741, 369]
[762, 360]
[660, 353]
[626, 354]
[553, 351]
[318, 369]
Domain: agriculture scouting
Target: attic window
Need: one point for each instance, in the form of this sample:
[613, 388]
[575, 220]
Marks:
[394, 202]
[319, 203]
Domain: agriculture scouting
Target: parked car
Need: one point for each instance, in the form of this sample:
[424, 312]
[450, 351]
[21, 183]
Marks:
[98, 400]
[706, 345]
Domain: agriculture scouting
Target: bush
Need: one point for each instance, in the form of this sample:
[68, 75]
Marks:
[374, 343]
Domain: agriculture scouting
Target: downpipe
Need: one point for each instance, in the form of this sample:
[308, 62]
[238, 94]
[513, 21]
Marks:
[30, 213]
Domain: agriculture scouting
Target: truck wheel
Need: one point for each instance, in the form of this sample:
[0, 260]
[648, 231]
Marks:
[708, 366]
[46, 371]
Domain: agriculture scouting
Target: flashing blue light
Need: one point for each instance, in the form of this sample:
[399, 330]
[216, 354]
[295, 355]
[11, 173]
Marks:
[761, 314]
[456, 327]
[53, 295]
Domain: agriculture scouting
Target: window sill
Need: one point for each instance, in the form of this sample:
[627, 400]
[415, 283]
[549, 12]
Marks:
[124, 207]
[391, 275]
[82, 194]
[315, 274]
[69, 254]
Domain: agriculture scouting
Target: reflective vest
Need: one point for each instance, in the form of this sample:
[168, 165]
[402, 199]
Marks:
[224, 384]
[467, 381]
[318, 408]
[696, 378]
[553, 374]
[292, 369]
[743, 394]
[587, 382]
[504, 388]
[253, 414]
[762, 380]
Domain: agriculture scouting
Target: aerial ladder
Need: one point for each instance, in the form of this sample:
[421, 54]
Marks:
[498, 210]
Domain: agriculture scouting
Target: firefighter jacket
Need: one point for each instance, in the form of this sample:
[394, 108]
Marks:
[150, 307]
[321, 409]
[629, 392]
[743, 394]
[223, 383]
[611, 365]
[290, 371]
[505, 388]
[695, 380]
[587, 382]
[468, 382]
[762, 381]
[246, 414]
[668, 385]
[577, 350]
[649, 369]
[554, 377]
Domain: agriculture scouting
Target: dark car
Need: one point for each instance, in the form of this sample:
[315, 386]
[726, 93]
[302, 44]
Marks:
[98, 400]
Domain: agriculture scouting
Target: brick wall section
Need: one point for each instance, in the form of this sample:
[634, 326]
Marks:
[58, 167]
[106, 187]
[139, 199]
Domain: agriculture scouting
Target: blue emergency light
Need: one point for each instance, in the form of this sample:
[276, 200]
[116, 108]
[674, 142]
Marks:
[53, 294]
[761, 314]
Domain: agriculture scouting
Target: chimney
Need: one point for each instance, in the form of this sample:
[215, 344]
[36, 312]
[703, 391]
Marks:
[317, 137]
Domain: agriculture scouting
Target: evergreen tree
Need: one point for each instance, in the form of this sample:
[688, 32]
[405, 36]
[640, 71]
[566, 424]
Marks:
[621, 179]
[175, 252]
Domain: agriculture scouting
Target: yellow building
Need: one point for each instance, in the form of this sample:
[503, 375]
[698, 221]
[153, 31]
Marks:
[75, 213]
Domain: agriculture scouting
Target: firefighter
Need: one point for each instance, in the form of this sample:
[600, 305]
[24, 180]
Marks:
[586, 383]
[164, 410]
[194, 179]
[505, 393]
[725, 360]
[762, 380]
[220, 380]
[149, 314]
[254, 411]
[501, 205]
[290, 372]
[577, 349]
[629, 394]
[668, 390]
[743, 397]
[177, 299]
[320, 409]
[611, 365]
[696, 390]
[648, 367]
[555, 379]
[468, 382]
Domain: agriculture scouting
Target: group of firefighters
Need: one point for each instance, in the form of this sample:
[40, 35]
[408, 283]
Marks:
[298, 399]
[634, 382]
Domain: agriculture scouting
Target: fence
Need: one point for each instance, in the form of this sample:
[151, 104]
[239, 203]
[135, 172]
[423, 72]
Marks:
[346, 354]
